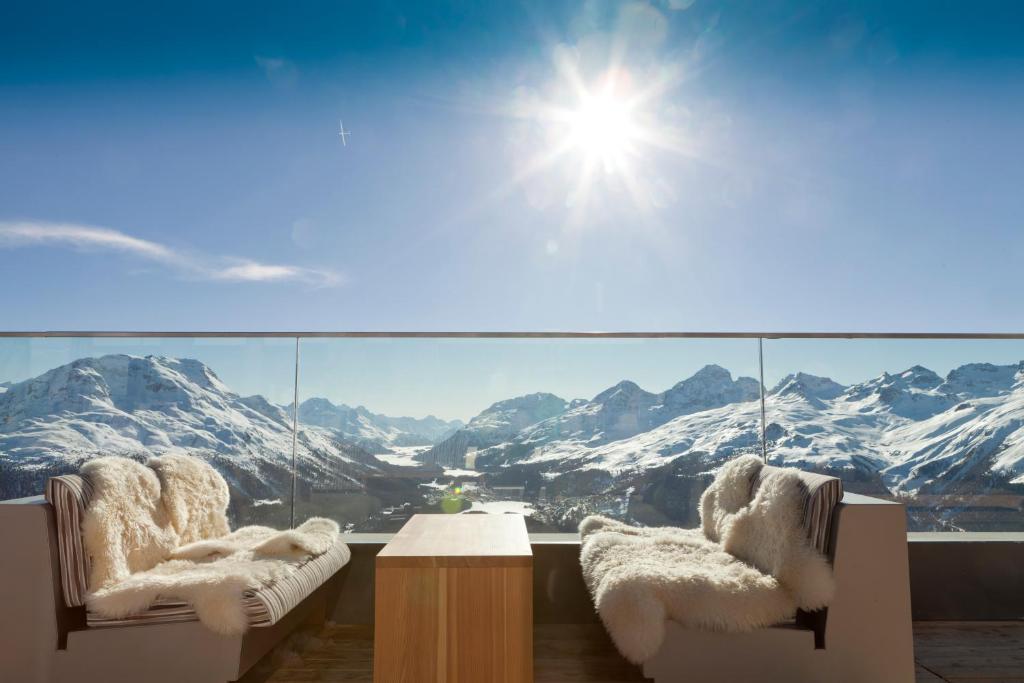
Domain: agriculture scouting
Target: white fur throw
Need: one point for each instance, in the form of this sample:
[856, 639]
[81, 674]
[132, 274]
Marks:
[749, 566]
[195, 495]
[213, 575]
[163, 533]
[126, 528]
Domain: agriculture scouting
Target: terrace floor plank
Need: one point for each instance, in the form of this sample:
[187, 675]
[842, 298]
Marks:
[969, 651]
[944, 652]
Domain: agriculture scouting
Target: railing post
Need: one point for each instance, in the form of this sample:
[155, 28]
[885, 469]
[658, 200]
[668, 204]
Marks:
[295, 430]
[760, 369]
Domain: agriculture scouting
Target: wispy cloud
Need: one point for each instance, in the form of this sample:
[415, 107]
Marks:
[185, 263]
[251, 271]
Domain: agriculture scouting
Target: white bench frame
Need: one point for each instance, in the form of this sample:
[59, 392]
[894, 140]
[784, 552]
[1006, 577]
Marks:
[868, 629]
[43, 641]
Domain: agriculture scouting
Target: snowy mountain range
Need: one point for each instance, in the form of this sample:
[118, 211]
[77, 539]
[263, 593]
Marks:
[912, 433]
[619, 412]
[375, 432]
[498, 423]
[141, 406]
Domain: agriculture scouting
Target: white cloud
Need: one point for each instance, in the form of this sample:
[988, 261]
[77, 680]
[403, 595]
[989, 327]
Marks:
[18, 234]
[251, 271]
[188, 264]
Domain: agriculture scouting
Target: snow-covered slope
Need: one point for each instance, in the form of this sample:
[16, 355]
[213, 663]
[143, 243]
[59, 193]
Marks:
[498, 423]
[719, 433]
[505, 418]
[625, 410]
[137, 406]
[920, 433]
[374, 432]
[913, 432]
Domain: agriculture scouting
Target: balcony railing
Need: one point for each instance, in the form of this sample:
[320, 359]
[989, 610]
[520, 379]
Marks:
[371, 427]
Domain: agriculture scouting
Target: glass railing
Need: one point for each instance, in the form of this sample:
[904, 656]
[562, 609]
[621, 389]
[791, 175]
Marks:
[370, 429]
[64, 400]
[935, 423]
[550, 428]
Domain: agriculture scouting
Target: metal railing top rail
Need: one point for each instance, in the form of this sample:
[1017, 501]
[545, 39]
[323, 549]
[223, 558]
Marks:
[519, 335]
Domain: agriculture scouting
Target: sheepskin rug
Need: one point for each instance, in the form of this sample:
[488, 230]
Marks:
[126, 528]
[195, 495]
[748, 566]
[160, 530]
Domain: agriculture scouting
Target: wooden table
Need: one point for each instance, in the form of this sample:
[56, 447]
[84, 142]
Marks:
[454, 602]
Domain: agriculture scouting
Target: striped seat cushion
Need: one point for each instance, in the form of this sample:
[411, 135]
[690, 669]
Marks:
[822, 493]
[263, 607]
[69, 495]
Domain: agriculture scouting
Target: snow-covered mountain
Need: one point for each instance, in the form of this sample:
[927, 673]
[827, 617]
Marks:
[140, 406]
[498, 423]
[625, 410]
[374, 432]
[518, 426]
[809, 387]
[913, 433]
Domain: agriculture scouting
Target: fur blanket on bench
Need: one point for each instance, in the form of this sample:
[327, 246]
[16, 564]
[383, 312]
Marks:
[750, 565]
[160, 531]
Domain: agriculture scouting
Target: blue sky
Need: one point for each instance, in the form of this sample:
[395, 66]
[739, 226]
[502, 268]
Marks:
[798, 166]
[856, 166]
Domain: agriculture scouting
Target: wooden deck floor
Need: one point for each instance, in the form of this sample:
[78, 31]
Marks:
[969, 651]
[954, 652]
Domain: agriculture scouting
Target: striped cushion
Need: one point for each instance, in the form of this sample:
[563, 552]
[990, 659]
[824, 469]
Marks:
[263, 607]
[822, 493]
[70, 494]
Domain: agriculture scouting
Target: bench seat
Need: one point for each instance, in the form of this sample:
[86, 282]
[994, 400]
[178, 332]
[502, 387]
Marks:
[263, 607]
[69, 495]
[866, 637]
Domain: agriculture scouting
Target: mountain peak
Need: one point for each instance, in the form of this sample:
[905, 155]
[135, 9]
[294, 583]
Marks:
[712, 371]
[117, 382]
[920, 377]
[808, 386]
[317, 402]
[523, 402]
[981, 379]
[512, 414]
[710, 387]
[624, 389]
[373, 431]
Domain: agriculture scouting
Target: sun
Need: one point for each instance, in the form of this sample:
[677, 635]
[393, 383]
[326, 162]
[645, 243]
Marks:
[593, 140]
[603, 129]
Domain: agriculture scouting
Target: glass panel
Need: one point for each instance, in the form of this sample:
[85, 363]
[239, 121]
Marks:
[551, 428]
[938, 424]
[66, 400]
